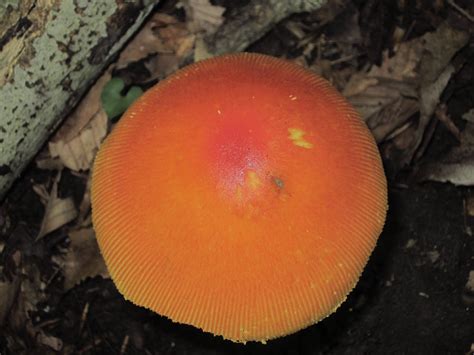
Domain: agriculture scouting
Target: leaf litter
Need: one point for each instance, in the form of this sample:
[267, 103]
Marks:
[399, 98]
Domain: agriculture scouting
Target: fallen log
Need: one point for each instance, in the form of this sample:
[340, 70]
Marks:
[50, 53]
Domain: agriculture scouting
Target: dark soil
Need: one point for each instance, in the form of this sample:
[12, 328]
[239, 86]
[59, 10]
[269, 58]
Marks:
[405, 303]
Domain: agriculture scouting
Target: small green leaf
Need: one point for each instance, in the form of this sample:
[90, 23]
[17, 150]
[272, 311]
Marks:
[113, 102]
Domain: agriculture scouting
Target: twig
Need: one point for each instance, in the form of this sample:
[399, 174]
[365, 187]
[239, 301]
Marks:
[442, 115]
[345, 59]
[461, 10]
[124, 346]
[399, 130]
[85, 312]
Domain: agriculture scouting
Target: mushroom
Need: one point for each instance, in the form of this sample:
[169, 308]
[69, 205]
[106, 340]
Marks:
[242, 195]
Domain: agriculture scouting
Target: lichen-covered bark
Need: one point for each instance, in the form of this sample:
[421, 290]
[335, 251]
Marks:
[50, 51]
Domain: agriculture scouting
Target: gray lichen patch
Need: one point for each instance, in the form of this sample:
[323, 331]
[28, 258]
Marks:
[41, 87]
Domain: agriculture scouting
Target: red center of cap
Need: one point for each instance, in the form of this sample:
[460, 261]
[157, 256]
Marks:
[238, 154]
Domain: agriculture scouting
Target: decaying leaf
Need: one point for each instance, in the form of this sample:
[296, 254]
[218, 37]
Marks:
[148, 41]
[386, 96]
[203, 16]
[412, 80]
[85, 111]
[50, 341]
[78, 153]
[457, 166]
[58, 212]
[83, 258]
[436, 69]
[469, 116]
[164, 35]
[79, 137]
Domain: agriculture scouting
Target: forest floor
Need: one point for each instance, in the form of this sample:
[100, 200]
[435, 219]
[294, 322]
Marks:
[407, 66]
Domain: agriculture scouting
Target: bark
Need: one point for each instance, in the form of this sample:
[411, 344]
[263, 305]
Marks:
[253, 22]
[50, 52]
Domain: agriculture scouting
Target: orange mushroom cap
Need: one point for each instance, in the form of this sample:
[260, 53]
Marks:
[242, 195]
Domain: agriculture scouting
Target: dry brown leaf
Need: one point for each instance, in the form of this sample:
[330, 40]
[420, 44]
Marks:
[78, 152]
[147, 42]
[436, 69]
[410, 81]
[83, 258]
[85, 111]
[185, 46]
[386, 96]
[403, 65]
[42, 193]
[161, 66]
[384, 104]
[162, 34]
[178, 39]
[79, 137]
[58, 212]
[203, 16]
[50, 341]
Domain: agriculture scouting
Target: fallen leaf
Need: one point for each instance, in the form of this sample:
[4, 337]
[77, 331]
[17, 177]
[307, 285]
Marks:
[83, 258]
[412, 80]
[457, 167]
[384, 104]
[386, 96]
[201, 51]
[147, 41]
[58, 211]
[78, 152]
[203, 16]
[77, 140]
[469, 116]
[404, 64]
[436, 69]
[85, 111]
[50, 341]
[164, 35]
[185, 45]
[161, 66]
